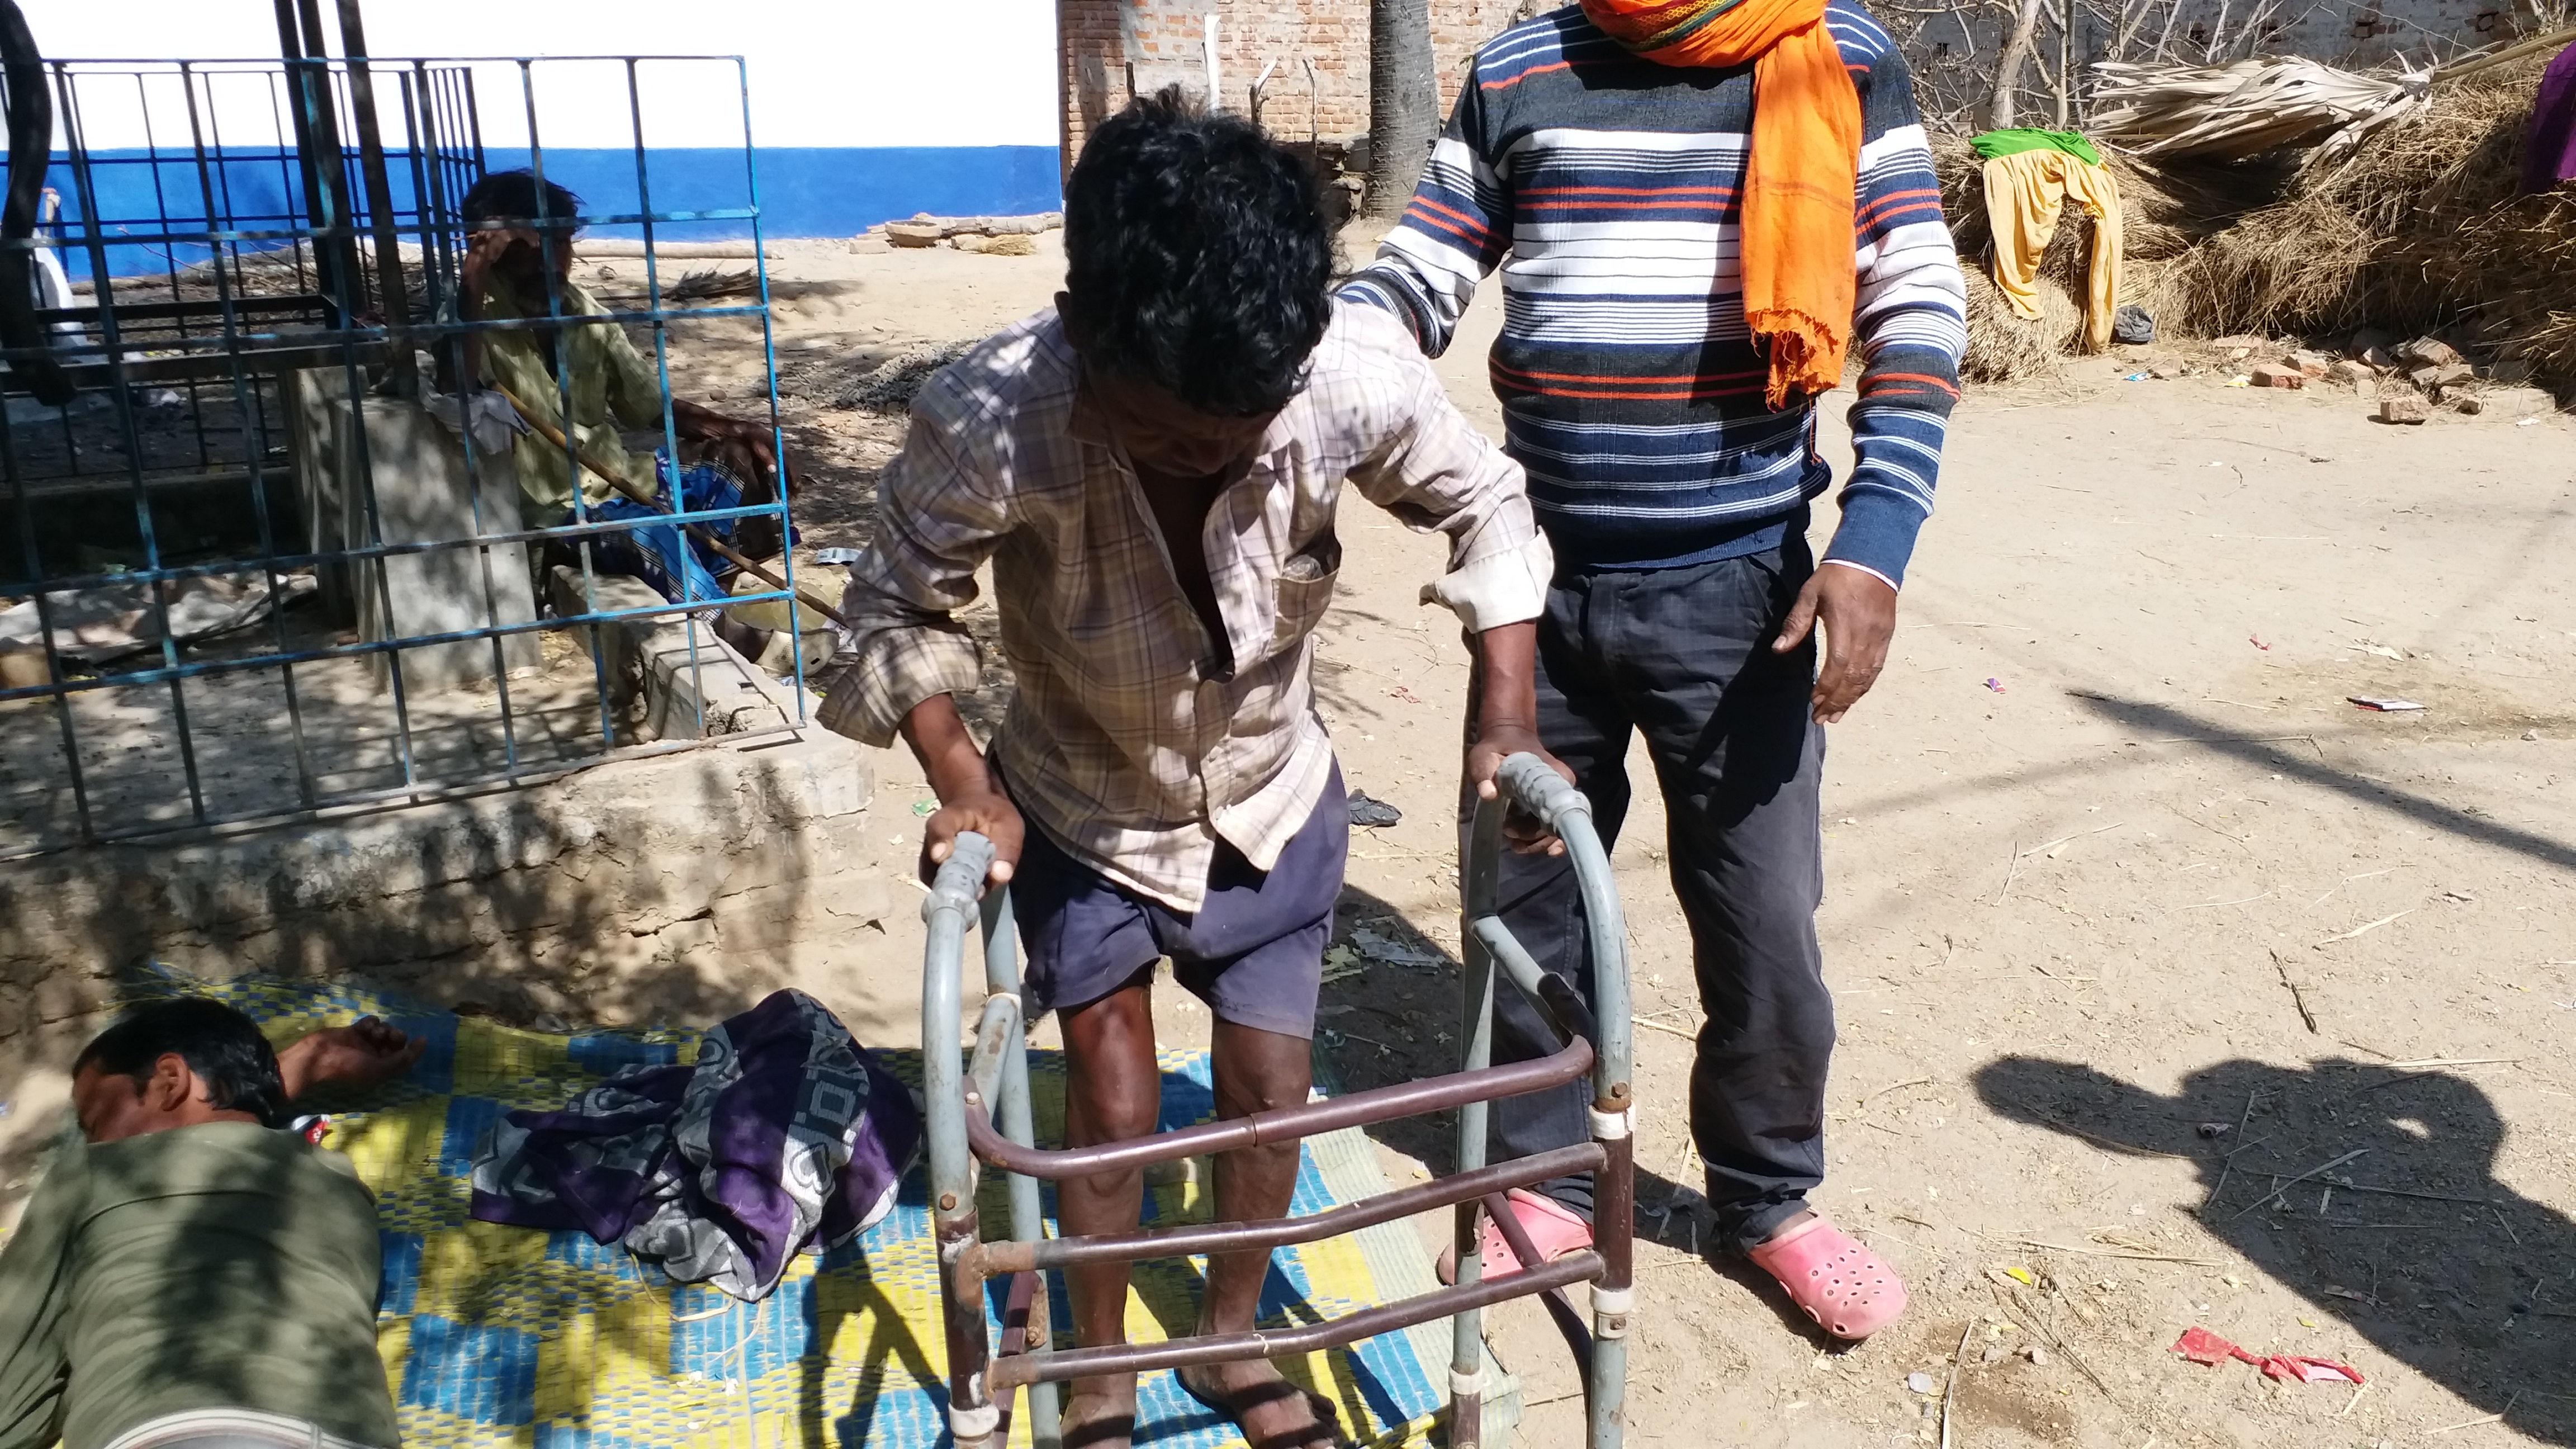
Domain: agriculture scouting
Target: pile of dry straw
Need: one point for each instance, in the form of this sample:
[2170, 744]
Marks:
[2423, 228]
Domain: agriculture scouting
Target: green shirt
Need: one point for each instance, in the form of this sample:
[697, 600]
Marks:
[612, 383]
[218, 1266]
[2027, 138]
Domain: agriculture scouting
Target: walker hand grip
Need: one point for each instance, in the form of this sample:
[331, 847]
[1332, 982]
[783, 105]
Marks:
[960, 882]
[1528, 782]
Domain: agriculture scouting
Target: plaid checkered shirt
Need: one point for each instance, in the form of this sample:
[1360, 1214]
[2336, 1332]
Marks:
[1135, 740]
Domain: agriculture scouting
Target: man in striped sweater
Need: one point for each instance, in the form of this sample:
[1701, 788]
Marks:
[1667, 186]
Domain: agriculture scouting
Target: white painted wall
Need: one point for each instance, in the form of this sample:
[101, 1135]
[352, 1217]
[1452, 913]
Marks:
[859, 73]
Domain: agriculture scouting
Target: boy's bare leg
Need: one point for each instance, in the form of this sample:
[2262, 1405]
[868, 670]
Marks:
[1256, 1071]
[1112, 1091]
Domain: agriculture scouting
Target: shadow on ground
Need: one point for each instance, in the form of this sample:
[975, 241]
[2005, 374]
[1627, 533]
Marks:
[2410, 1239]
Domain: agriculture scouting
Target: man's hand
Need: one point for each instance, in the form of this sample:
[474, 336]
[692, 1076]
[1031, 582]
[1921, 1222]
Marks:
[694, 420]
[1858, 609]
[1506, 705]
[484, 249]
[968, 797]
[1495, 744]
[369, 1052]
[986, 811]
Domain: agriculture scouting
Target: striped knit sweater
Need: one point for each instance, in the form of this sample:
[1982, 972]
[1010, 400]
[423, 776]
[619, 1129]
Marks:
[1606, 188]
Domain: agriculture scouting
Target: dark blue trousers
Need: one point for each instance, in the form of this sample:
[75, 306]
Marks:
[1683, 657]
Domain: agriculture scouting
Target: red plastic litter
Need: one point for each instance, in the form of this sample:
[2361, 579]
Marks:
[1996, 685]
[2257, 641]
[2204, 1347]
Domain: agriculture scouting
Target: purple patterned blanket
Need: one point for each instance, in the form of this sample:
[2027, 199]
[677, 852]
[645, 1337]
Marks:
[782, 1136]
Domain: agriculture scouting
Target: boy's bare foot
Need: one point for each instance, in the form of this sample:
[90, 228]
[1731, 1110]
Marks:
[1099, 1413]
[1272, 1412]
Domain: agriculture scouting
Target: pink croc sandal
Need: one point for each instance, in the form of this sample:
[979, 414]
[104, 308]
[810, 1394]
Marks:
[1554, 1230]
[1840, 1284]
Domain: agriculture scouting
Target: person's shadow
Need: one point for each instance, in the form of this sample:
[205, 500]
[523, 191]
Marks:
[2413, 1242]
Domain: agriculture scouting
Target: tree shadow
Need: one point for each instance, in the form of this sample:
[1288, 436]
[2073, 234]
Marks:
[2413, 1241]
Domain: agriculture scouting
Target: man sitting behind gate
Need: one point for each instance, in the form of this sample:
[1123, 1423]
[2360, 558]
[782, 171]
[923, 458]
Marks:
[1152, 468]
[190, 1276]
[548, 343]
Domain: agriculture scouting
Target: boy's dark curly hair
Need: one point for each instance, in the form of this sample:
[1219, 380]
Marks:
[1197, 257]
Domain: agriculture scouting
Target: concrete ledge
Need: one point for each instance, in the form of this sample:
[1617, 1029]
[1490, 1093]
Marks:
[675, 680]
[672, 888]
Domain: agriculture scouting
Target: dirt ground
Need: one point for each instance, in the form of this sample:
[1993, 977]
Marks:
[2131, 916]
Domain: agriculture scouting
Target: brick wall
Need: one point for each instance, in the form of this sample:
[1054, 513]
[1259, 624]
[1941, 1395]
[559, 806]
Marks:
[1106, 43]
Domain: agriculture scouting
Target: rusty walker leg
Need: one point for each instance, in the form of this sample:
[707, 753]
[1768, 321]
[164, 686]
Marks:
[973, 1417]
[1546, 794]
[1476, 1052]
[1028, 1220]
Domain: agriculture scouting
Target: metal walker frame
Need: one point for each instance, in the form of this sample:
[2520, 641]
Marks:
[967, 1102]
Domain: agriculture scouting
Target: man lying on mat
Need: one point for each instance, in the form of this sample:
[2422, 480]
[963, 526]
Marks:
[190, 1276]
[1152, 468]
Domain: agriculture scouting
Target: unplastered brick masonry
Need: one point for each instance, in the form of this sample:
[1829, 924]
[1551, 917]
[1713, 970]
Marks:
[1318, 87]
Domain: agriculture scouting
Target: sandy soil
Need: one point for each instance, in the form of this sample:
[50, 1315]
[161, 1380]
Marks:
[2106, 828]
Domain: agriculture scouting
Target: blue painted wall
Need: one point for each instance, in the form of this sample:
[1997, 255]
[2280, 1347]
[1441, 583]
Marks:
[804, 191]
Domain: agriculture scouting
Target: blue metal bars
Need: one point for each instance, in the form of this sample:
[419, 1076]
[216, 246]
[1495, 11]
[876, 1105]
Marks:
[243, 573]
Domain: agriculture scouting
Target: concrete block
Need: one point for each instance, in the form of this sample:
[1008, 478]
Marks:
[870, 243]
[912, 234]
[387, 469]
[2429, 376]
[2403, 409]
[689, 683]
[2280, 375]
[2311, 364]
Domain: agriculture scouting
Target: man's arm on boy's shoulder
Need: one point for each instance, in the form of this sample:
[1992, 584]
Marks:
[1435, 471]
[1452, 236]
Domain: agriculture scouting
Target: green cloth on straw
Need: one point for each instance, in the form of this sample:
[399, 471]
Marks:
[2004, 143]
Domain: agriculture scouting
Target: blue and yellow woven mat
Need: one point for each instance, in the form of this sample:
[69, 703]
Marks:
[503, 1336]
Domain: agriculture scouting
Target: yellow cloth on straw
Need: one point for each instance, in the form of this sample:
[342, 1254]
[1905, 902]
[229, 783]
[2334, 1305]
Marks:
[2024, 193]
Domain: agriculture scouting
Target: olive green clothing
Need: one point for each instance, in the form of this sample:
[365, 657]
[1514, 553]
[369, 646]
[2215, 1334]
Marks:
[612, 383]
[218, 1266]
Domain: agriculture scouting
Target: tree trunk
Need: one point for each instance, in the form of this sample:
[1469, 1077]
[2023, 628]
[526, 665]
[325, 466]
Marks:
[1999, 115]
[1404, 103]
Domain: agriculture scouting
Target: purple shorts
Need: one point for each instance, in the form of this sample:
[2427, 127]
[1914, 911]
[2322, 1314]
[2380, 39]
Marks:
[1254, 950]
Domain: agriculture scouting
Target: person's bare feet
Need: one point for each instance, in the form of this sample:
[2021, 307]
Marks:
[1099, 1413]
[1272, 1412]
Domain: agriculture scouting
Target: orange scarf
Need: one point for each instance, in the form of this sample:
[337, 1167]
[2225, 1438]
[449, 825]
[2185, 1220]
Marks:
[1800, 183]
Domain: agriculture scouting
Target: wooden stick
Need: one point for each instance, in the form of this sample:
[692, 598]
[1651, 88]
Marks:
[1950, 1394]
[2106, 1252]
[2302, 1177]
[723, 550]
[2364, 930]
[2227, 1161]
[2296, 998]
[2494, 1418]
